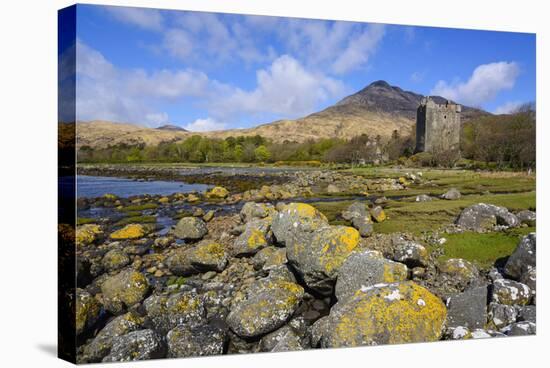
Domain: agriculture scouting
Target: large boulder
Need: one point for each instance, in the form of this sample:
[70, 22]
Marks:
[251, 210]
[520, 329]
[101, 345]
[356, 209]
[131, 231]
[365, 269]
[411, 253]
[386, 314]
[190, 228]
[511, 292]
[217, 193]
[294, 221]
[483, 216]
[524, 257]
[256, 236]
[87, 234]
[468, 309]
[166, 312]
[186, 341]
[123, 290]
[318, 257]
[87, 310]
[459, 269]
[207, 256]
[269, 305]
[269, 258]
[501, 315]
[136, 345]
[115, 259]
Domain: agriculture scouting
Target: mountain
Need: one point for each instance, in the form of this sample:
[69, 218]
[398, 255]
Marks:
[377, 109]
[172, 128]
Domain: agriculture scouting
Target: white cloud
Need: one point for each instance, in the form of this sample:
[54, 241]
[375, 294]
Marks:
[150, 19]
[484, 84]
[359, 49]
[508, 107]
[110, 93]
[286, 89]
[179, 43]
[205, 125]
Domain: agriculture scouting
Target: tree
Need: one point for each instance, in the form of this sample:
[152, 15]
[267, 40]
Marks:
[262, 153]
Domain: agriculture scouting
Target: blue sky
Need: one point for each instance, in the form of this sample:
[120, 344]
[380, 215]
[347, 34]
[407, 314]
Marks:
[208, 71]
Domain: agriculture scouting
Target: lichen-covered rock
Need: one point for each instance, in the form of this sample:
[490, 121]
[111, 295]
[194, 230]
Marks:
[378, 214]
[523, 258]
[363, 225]
[501, 315]
[217, 193]
[483, 216]
[529, 278]
[208, 216]
[256, 236]
[101, 345]
[131, 231]
[356, 209]
[511, 292]
[294, 221]
[186, 341]
[451, 194]
[115, 259]
[253, 210]
[265, 309]
[290, 341]
[269, 258]
[365, 269]
[468, 309]
[207, 256]
[527, 217]
[388, 314]
[87, 234]
[166, 312]
[460, 269]
[136, 345]
[123, 290]
[190, 228]
[411, 253]
[317, 258]
[458, 333]
[87, 310]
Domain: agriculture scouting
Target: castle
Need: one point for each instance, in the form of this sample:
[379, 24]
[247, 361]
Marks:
[437, 126]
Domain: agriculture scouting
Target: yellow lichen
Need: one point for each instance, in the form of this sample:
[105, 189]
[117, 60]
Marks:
[86, 234]
[256, 239]
[132, 231]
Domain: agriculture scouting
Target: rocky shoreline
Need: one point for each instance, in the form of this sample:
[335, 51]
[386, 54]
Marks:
[274, 274]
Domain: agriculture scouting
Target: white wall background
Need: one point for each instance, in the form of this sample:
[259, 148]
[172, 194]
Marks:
[28, 189]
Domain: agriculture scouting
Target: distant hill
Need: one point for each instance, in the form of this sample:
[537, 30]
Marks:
[377, 109]
[173, 128]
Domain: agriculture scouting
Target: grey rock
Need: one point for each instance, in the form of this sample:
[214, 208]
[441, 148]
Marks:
[251, 210]
[124, 290]
[423, 198]
[288, 342]
[365, 269]
[136, 345]
[187, 341]
[468, 309]
[527, 217]
[115, 259]
[501, 315]
[295, 221]
[527, 313]
[451, 194]
[256, 236]
[523, 258]
[356, 209]
[190, 228]
[510, 292]
[483, 216]
[520, 329]
[411, 253]
[166, 312]
[529, 278]
[363, 224]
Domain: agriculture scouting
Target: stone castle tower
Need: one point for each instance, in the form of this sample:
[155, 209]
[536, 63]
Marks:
[437, 126]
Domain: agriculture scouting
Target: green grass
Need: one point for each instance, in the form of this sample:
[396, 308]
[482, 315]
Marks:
[483, 249]
[139, 207]
[333, 210]
[136, 220]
